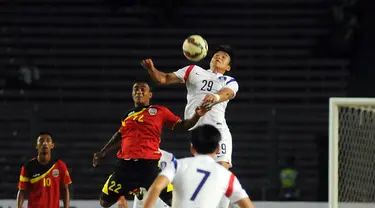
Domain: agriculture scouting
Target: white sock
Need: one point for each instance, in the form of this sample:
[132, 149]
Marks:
[224, 202]
[140, 203]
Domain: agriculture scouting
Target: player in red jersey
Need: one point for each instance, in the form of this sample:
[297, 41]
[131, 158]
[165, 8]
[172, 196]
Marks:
[42, 177]
[139, 137]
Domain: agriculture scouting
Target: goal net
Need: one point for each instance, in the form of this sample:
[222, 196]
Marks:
[352, 152]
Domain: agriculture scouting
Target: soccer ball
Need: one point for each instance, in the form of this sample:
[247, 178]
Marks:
[195, 48]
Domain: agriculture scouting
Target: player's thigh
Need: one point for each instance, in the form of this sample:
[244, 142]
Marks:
[112, 189]
[148, 171]
[225, 147]
[119, 183]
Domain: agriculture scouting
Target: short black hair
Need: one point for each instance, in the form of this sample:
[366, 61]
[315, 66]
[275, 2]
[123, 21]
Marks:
[227, 49]
[143, 81]
[205, 139]
[45, 133]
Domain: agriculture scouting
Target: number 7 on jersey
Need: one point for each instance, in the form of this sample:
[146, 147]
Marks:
[204, 179]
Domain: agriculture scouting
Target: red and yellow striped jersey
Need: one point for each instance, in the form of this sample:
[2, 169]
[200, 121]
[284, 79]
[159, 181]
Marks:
[141, 129]
[43, 182]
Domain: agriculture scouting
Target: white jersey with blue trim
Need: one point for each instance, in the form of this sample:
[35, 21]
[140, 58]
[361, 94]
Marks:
[200, 82]
[200, 182]
[165, 158]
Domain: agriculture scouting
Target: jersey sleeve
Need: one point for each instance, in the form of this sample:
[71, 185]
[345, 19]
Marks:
[122, 125]
[24, 180]
[170, 119]
[165, 158]
[65, 179]
[170, 170]
[232, 84]
[235, 192]
[183, 73]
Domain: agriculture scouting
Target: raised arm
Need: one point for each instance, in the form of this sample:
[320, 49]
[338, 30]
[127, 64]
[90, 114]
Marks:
[158, 76]
[111, 144]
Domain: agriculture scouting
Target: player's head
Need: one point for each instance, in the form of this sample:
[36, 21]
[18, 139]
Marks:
[222, 60]
[141, 93]
[44, 143]
[205, 139]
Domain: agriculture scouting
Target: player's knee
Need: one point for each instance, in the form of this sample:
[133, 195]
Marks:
[225, 164]
[105, 204]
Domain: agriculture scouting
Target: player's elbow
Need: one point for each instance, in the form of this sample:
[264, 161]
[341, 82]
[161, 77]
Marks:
[170, 78]
[162, 81]
[66, 189]
[227, 94]
[230, 95]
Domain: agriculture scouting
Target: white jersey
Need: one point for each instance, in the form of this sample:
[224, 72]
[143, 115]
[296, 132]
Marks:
[199, 83]
[199, 182]
[165, 158]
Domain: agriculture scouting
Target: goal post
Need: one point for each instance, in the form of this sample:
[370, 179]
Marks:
[351, 152]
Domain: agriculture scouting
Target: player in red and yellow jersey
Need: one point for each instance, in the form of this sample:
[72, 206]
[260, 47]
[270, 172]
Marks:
[42, 177]
[139, 138]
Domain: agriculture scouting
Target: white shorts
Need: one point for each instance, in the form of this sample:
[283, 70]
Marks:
[225, 154]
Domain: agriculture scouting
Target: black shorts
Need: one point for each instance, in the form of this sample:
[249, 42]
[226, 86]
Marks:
[130, 175]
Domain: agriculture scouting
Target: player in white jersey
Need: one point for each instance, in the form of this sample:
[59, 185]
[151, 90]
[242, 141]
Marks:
[139, 200]
[199, 182]
[210, 87]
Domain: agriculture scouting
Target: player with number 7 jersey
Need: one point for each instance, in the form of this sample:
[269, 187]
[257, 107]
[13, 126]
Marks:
[199, 182]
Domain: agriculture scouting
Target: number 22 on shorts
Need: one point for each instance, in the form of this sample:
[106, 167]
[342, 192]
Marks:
[114, 187]
[200, 185]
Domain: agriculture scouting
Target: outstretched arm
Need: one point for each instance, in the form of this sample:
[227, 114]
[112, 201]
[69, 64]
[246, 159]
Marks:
[158, 76]
[111, 144]
[189, 123]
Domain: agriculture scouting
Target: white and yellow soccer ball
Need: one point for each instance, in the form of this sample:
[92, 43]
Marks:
[195, 48]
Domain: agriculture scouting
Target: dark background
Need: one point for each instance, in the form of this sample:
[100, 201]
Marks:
[67, 66]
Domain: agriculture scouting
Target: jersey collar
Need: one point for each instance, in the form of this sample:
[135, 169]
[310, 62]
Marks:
[140, 108]
[210, 70]
[206, 156]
